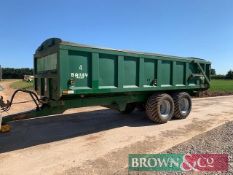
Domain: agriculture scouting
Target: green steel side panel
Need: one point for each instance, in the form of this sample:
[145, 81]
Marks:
[79, 64]
[180, 74]
[107, 71]
[46, 63]
[166, 75]
[150, 72]
[131, 72]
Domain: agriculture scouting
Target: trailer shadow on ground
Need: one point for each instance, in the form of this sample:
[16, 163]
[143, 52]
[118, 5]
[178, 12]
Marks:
[33, 132]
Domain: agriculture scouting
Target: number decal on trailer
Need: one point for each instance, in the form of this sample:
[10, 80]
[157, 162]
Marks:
[80, 67]
[79, 75]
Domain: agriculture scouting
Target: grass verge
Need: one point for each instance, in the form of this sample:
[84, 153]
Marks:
[218, 88]
[221, 86]
[20, 84]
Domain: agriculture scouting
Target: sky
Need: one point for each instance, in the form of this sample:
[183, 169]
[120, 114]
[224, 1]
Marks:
[190, 28]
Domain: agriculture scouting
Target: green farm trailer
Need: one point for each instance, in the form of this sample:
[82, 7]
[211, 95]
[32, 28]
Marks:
[70, 75]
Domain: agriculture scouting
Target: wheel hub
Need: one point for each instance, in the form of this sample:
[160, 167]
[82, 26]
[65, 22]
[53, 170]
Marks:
[165, 108]
[184, 105]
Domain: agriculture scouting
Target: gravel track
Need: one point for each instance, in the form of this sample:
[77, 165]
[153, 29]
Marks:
[218, 140]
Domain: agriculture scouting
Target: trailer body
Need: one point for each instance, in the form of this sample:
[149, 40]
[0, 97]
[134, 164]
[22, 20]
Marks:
[68, 70]
[69, 75]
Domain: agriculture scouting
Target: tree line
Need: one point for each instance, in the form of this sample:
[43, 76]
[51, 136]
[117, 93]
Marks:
[228, 76]
[16, 73]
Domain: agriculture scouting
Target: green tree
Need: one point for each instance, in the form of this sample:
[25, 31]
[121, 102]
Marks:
[12, 73]
[213, 72]
[229, 75]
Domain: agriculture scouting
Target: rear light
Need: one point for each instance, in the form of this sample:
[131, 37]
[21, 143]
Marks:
[66, 92]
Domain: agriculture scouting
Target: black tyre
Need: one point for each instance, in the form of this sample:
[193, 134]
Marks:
[183, 105]
[160, 108]
[129, 108]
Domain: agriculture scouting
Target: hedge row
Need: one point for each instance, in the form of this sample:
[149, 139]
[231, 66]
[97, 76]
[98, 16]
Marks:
[12, 73]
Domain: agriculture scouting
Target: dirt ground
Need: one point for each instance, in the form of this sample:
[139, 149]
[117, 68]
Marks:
[97, 140]
[8, 91]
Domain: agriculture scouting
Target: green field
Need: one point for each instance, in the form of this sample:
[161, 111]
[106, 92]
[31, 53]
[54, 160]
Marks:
[20, 84]
[221, 86]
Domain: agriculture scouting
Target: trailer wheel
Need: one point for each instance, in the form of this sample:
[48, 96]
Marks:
[129, 108]
[183, 105]
[160, 108]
